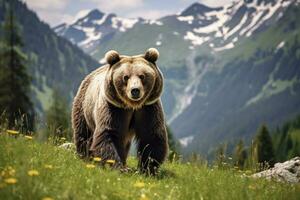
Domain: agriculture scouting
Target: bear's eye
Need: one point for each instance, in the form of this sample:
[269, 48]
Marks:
[125, 78]
[142, 77]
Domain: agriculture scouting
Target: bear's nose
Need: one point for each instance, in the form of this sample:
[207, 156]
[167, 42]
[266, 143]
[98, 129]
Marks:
[135, 93]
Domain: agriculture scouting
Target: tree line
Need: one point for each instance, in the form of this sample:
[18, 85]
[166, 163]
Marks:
[16, 106]
[267, 148]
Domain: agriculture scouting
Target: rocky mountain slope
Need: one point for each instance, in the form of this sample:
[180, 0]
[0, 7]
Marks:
[226, 69]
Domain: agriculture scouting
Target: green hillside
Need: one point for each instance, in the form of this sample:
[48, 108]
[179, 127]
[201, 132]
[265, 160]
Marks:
[257, 82]
[44, 171]
[53, 62]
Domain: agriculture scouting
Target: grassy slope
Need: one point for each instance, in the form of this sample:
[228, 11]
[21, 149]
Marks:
[71, 179]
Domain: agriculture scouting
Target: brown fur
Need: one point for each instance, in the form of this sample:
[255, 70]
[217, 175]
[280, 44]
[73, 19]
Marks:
[105, 118]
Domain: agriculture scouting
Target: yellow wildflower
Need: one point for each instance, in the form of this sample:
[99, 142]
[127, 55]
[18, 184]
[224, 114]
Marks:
[143, 197]
[97, 159]
[10, 180]
[139, 184]
[8, 171]
[33, 172]
[110, 161]
[11, 171]
[90, 166]
[48, 166]
[47, 198]
[28, 137]
[12, 132]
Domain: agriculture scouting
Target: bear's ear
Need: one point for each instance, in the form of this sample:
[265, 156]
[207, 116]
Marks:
[151, 55]
[112, 57]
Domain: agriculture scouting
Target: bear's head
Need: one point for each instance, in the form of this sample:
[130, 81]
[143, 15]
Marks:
[133, 81]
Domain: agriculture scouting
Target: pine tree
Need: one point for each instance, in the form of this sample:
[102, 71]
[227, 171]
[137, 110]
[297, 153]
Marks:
[264, 146]
[14, 79]
[58, 116]
[240, 155]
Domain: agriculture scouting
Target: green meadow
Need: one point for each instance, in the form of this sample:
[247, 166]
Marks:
[40, 170]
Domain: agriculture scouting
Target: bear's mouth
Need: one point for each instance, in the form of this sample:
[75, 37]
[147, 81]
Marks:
[134, 101]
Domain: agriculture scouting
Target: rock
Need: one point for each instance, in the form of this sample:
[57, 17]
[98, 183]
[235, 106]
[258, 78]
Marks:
[68, 145]
[288, 171]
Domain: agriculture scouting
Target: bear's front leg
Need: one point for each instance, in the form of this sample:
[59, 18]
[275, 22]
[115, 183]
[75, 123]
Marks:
[106, 146]
[112, 125]
[151, 137]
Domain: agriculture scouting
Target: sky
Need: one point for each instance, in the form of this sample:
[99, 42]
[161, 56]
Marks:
[56, 12]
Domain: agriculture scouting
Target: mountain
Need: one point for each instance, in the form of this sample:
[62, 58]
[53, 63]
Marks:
[226, 69]
[53, 62]
[89, 31]
[258, 83]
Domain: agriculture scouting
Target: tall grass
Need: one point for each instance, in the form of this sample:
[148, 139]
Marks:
[35, 170]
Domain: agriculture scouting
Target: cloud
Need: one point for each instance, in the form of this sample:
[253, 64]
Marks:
[81, 14]
[212, 3]
[149, 14]
[47, 4]
[117, 5]
[215, 3]
[50, 11]
[54, 18]
[55, 12]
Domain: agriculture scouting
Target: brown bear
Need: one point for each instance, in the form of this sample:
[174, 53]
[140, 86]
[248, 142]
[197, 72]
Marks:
[118, 102]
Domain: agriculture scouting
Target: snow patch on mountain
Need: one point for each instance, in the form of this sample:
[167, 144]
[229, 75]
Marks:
[91, 37]
[254, 16]
[102, 20]
[188, 19]
[153, 22]
[263, 12]
[280, 45]
[200, 24]
[237, 27]
[195, 40]
[227, 46]
[123, 24]
[269, 10]
[222, 16]
[87, 31]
